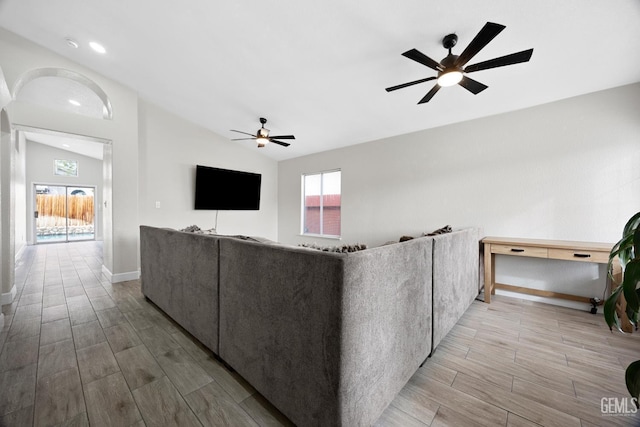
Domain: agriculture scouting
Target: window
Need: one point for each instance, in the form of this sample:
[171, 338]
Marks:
[321, 204]
[65, 167]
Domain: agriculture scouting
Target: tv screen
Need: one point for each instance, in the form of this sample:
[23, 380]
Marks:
[224, 189]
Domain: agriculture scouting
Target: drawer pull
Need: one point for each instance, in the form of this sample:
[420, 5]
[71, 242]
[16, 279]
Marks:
[582, 255]
[517, 250]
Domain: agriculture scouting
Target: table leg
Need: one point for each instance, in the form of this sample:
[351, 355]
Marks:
[489, 273]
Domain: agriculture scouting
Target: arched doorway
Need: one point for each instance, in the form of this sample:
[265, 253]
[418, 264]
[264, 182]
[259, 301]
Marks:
[77, 101]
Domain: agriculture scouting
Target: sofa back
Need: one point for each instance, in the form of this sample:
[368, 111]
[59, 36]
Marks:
[179, 273]
[328, 338]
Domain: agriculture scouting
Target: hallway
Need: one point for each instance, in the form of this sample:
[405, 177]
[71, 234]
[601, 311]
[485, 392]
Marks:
[77, 349]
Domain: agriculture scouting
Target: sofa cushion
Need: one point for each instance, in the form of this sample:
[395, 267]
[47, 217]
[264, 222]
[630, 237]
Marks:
[444, 230]
[196, 229]
[341, 248]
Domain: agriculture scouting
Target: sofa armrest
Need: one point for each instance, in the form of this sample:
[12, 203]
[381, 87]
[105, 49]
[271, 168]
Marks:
[456, 260]
[387, 325]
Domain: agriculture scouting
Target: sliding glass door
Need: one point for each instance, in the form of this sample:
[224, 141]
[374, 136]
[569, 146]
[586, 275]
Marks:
[64, 213]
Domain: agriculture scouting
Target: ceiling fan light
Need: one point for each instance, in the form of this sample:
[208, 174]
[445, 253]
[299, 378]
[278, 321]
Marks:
[262, 141]
[450, 78]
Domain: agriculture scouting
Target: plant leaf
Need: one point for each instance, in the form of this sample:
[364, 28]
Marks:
[632, 378]
[632, 315]
[623, 250]
[615, 250]
[631, 225]
[610, 315]
[636, 243]
[630, 282]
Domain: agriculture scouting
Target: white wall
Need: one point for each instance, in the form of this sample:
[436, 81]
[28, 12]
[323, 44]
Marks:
[21, 221]
[120, 250]
[565, 170]
[39, 168]
[170, 149]
[7, 203]
[6, 264]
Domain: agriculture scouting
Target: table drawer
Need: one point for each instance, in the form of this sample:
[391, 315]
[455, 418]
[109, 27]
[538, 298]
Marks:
[577, 255]
[519, 250]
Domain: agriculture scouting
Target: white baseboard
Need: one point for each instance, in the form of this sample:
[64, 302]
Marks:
[8, 297]
[20, 251]
[120, 277]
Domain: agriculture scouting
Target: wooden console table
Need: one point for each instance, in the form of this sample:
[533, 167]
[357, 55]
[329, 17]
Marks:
[551, 249]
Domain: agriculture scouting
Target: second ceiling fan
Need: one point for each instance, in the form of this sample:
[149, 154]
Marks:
[451, 69]
[262, 136]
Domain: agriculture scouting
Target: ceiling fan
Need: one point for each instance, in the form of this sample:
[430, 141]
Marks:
[262, 136]
[451, 69]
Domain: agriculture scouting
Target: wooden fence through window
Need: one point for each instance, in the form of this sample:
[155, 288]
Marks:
[81, 207]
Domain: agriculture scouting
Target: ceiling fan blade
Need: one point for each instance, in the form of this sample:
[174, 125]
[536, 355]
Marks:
[486, 34]
[514, 58]
[284, 144]
[472, 86]
[430, 94]
[239, 131]
[241, 139]
[420, 57]
[283, 137]
[389, 89]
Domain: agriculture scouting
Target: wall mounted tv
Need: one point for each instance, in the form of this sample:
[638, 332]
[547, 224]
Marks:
[224, 189]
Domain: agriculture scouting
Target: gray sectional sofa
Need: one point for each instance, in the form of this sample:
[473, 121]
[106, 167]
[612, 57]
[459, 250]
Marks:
[328, 338]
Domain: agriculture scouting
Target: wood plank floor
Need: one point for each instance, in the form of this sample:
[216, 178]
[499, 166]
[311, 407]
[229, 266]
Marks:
[77, 350]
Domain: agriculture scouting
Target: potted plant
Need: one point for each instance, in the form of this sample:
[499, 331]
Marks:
[627, 251]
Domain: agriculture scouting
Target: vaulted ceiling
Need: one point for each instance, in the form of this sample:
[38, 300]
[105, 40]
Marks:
[318, 69]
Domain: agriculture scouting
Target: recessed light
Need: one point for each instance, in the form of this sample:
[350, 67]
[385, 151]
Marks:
[74, 102]
[66, 145]
[97, 47]
[71, 42]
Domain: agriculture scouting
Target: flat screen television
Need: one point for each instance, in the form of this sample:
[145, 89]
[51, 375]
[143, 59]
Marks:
[224, 189]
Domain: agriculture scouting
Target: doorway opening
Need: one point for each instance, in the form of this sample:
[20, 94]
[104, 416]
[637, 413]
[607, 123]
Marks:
[64, 213]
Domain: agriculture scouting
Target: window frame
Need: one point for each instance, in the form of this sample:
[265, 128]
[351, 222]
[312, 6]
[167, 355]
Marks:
[303, 205]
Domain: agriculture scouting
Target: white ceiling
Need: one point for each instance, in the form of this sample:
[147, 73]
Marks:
[318, 69]
[67, 143]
